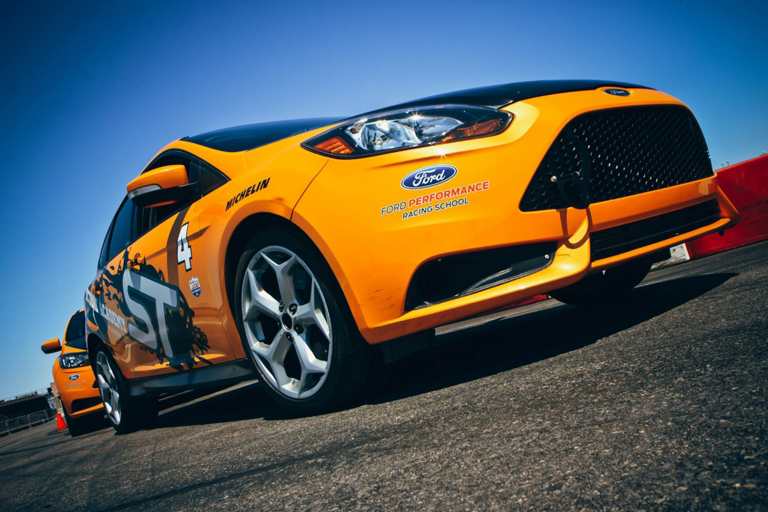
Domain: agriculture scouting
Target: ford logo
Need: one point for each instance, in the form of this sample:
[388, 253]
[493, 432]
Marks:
[429, 176]
[617, 92]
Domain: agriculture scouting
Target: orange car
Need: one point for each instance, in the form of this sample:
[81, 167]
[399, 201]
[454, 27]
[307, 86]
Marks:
[291, 248]
[73, 375]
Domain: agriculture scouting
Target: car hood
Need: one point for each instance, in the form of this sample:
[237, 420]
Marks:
[499, 95]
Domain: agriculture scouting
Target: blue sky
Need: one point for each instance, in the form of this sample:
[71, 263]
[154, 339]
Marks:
[91, 90]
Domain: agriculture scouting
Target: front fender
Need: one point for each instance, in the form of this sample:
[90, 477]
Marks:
[271, 182]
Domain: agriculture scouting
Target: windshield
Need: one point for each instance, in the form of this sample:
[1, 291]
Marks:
[75, 335]
[251, 136]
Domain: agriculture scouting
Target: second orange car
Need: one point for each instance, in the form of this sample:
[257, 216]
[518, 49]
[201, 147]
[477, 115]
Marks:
[73, 375]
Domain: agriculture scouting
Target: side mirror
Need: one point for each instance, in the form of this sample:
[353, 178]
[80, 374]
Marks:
[162, 186]
[51, 346]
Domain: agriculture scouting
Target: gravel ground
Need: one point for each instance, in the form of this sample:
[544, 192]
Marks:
[660, 403]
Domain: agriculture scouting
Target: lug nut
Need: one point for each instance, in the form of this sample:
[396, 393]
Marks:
[289, 336]
[292, 308]
[299, 329]
[281, 307]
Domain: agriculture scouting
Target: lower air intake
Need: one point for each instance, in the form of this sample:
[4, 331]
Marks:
[462, 274]
[84, 403]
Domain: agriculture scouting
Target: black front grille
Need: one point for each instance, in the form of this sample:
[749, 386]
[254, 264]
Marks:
[620, 152]
[611, 242]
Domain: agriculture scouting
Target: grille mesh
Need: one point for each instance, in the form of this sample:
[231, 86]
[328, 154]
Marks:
[621, 152]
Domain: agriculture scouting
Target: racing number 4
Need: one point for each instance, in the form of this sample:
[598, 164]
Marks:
[183, 250]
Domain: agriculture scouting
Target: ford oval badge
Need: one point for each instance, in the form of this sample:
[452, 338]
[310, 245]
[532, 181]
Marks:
[429, 176]
[617, 92]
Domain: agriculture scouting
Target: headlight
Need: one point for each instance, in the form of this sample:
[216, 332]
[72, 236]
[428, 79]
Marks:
[408, 128]
[75, 360]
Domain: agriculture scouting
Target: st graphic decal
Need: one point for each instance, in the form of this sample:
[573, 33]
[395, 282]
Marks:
[134, 301]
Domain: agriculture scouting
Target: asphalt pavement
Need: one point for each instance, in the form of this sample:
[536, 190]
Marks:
[659, 403]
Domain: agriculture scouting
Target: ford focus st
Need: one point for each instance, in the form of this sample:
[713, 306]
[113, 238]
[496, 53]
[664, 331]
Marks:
[292, 248]
[73, 375]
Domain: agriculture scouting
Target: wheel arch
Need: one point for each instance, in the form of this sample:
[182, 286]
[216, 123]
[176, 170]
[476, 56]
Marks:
[265, 220]
[94, 343]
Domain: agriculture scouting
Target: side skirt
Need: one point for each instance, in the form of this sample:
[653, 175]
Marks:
[225, 373]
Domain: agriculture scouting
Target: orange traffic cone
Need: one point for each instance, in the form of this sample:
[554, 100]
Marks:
[60, 423]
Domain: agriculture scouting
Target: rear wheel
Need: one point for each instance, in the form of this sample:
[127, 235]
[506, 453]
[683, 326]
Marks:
[607, 285]
[295, 326]
[125, 413]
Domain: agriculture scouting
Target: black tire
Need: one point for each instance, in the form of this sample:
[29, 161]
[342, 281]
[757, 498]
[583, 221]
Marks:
[74, 425]
[135, 412]
[606, 286]
[350, 358]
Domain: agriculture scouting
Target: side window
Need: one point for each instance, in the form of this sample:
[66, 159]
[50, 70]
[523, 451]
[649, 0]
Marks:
[207, 177]
[122, 228]
[75, 335]
[148, 218]
[104, 254]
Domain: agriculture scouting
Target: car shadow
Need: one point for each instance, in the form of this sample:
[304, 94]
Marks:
[477, 352]
[509, 343]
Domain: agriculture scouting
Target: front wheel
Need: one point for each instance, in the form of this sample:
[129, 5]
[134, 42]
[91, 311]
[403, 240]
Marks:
[295, 326]
[74, 425]
[607, 285]
[125, 413]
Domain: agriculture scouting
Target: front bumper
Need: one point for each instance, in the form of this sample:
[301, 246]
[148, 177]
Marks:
[77, 391]
[573, 258]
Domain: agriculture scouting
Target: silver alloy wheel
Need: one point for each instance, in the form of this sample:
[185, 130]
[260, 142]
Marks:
[286, 322]
[107, 382]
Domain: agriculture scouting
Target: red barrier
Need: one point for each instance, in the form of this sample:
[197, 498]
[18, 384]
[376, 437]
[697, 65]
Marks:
[746, 185]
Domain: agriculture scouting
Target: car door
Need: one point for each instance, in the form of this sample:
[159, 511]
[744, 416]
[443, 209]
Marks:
[148, 320]
[175, 240]
[129, 298]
